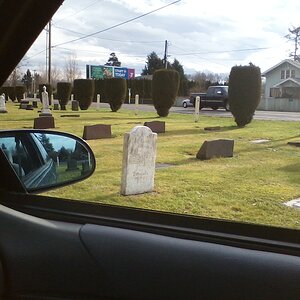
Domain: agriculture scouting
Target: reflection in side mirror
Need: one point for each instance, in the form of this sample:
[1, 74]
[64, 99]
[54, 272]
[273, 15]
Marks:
[45, 159]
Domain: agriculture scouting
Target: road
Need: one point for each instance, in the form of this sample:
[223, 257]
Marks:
[259, 115]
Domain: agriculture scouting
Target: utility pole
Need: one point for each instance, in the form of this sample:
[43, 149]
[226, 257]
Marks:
[166, 54]
[49, 55]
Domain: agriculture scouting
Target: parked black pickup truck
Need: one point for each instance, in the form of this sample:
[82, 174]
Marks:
[215, 97]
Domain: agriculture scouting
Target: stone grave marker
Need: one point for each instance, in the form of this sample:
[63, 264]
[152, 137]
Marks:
[2, 104]
[23, 104]
[139, 155]
[212, 128]
[44, 122]
[34, 103]
[156, 126]
[55, 105]
[74, 105]
[296, 144]
[216, 148]
[99, 131]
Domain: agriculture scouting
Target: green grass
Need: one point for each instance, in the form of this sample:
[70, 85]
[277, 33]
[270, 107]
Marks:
[250, 187]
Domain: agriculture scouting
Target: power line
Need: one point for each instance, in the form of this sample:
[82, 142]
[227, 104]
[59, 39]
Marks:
[112, 40]
[224, 51]
[119, 24]
[77, 12]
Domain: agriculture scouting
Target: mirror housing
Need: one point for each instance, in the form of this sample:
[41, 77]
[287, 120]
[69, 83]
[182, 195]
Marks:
[39, 160]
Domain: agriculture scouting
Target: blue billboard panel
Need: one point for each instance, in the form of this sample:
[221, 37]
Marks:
[121, 73]
[103, 71]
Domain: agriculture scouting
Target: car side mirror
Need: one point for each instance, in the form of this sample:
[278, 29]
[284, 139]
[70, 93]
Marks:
[44, 159]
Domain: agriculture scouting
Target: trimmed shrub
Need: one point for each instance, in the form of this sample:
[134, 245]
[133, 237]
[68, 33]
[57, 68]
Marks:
[244, 92]
[165, 86]
[20, 90]
[64, 90]
[48, 89]
[84, 92]
[115, 92]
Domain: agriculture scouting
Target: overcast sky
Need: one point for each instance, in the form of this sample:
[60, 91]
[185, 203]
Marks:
[202, 35]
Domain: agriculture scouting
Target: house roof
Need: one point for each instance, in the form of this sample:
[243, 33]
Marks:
[294, 63]
[286, 80]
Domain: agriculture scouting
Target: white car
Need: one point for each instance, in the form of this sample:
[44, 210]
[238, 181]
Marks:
[186, 103]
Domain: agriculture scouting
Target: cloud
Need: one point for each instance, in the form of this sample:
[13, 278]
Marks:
[201, 35]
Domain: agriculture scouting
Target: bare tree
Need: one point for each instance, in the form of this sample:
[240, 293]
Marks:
[71, 70]
[56, 75]
[15, 77]
[294, 36]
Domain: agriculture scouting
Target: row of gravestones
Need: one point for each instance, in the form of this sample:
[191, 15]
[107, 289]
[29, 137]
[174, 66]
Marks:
[139, 155]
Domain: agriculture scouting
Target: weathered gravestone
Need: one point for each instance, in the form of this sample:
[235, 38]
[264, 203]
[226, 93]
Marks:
[55, 105]
[212, 128]
[139, 154]
[23, 104]
[296, 144]
[34, 103]
[44, 122]
[2, 104]
[156, 126]
[99, 131]
[74, 105]
[216, 148]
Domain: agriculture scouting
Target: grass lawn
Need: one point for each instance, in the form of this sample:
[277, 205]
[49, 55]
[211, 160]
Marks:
[250, 187]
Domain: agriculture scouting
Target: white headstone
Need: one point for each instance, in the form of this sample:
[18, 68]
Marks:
[197, 108]
[45, 100]
[98, 101]
[139, 155]
[137, 99]
[2, 104]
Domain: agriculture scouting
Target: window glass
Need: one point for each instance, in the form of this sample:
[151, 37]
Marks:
[293, 73]
[252, 184]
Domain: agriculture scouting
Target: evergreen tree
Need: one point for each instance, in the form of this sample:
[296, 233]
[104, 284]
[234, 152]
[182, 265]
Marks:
[176, 65]
[27, 80]
[153, 63]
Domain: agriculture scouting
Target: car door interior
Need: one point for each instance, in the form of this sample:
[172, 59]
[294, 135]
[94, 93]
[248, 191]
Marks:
[60, 249]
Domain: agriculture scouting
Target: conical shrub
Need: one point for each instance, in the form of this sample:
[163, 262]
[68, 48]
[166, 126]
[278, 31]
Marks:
[115, 92]
[64, 90]
[244, 92]
[165, 85]
[84, 91]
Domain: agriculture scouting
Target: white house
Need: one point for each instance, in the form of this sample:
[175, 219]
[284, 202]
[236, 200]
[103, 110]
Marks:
[282, 87]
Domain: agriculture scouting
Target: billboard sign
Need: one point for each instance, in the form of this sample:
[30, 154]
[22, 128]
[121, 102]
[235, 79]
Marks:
[101, 72]
[121, 73]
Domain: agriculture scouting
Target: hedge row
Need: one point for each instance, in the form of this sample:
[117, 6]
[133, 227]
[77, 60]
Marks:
[13, 92]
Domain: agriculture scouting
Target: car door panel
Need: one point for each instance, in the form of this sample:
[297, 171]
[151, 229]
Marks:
[63, 260]
[148, 266]
[43, 258]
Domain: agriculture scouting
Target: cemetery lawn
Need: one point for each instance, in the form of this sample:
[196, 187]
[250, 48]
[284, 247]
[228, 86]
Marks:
[249, 187]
